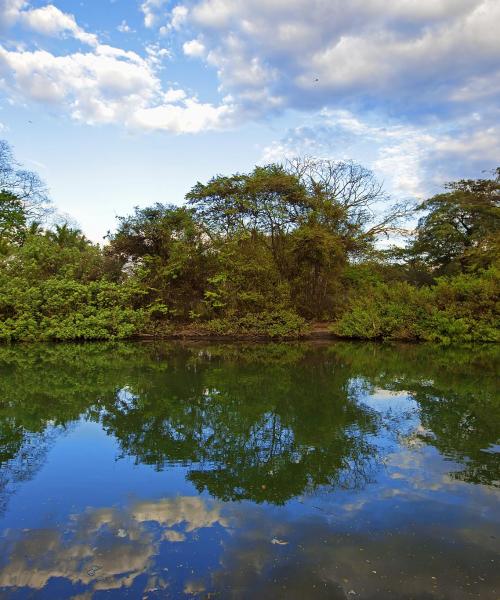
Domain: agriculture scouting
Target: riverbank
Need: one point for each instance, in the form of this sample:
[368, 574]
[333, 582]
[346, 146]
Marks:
[298, 269]
[312, 331]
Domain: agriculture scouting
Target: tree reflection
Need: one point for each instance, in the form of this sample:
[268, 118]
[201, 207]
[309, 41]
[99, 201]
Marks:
[260, 422]
[457, 394]
[250, 429]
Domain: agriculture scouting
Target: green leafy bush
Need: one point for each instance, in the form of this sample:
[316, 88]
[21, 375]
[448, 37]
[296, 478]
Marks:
[58, 309]
[463, 309]
[279, 324]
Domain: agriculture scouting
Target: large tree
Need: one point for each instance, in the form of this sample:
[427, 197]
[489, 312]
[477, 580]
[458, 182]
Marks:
[460, 229]
[312, 216]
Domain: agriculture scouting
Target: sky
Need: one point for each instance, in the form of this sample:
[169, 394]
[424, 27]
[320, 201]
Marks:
[123, 103]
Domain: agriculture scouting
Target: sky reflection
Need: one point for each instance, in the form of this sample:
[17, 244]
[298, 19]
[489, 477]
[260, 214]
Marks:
[280, 471]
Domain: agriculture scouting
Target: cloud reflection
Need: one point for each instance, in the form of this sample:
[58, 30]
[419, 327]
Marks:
[195, 547]
[106, 548]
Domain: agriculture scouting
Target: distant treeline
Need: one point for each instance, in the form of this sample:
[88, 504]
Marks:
[264, 253]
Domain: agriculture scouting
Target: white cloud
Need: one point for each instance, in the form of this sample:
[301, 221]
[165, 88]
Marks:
[415, 56]
[193, 48]
[191, 117]
[150, 9]
[9, 12]
[51, 21]
[174, 95]
[108, 85]
[124, 27]
[179, 16]
[422, 61]
[47, 20]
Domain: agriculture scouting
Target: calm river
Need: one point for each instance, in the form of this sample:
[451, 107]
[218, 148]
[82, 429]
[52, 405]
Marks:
[266, 471]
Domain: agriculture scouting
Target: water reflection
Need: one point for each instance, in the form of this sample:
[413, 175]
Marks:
[188, 546]
[278, 470]
[250, 430]
[266, 422]
[105, 548]
[456, 390]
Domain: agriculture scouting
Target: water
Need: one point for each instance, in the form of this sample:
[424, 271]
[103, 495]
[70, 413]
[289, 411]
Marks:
[334, 471]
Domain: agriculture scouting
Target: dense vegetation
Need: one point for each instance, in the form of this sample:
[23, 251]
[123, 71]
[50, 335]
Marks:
[263, 253]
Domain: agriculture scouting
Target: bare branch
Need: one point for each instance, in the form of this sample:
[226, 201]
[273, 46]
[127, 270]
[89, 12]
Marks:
[25, 185]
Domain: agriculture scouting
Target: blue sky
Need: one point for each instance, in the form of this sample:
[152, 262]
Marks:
[118, 103]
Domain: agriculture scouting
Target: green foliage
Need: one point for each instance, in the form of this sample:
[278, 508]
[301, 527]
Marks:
[283, 234]
[318, 259]
[44, 255]
[460, 309]
[54, 286]
[246, 280]
[163, 249]
[278, 324]
[460, 230]
[255, 254]
[61, 309]
[12, 220]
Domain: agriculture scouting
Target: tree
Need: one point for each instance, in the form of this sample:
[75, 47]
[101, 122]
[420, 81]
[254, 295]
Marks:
[164, 248]
[25, 185]
[347, 198]
[312, 216]
[460, 230]
[12, 220]
[262, 203]
[66, 236]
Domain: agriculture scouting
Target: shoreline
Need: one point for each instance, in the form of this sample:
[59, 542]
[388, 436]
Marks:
[315, 331]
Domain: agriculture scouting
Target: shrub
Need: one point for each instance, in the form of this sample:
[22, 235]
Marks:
[60, 309]
[279, 324]
[461, 309]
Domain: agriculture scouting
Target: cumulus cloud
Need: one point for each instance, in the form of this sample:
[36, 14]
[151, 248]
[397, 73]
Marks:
[175, 20]
[105, 84]
[51, 21]
[193, 48]
[412, 54]
[151, 10]
[179, 16]
[9, 12]
[47, 20]
[108, 85]
[417, 60]
[191, 117]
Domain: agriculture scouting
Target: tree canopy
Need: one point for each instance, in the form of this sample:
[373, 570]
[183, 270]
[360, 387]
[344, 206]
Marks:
[460, 229]
[258, 253]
